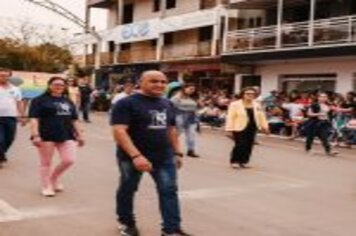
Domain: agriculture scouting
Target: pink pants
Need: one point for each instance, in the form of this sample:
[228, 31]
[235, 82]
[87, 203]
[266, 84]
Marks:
[67, 152]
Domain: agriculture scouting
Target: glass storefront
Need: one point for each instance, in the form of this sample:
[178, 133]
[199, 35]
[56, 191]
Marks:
[308, 83]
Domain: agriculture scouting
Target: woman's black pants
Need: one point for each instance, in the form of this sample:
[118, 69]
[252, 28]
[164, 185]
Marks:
[244, 142]
[320, 130]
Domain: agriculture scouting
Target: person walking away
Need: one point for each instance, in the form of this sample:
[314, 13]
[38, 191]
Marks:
[73, 92]
[147, 139]
[11, 109]
[54, 126]
[186, 117]
[245, 117]
[85, 91]
[319, 124]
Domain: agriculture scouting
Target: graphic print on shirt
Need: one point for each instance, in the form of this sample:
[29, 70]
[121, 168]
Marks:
[158, 119]
[63, 109]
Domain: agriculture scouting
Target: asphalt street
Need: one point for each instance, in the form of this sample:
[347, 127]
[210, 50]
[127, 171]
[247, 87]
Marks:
[285, 193]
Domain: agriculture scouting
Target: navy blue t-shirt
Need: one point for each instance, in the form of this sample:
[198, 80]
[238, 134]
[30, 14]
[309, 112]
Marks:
[148, 120]
[56, 116]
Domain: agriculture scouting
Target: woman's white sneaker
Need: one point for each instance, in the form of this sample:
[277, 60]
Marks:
[48, 192]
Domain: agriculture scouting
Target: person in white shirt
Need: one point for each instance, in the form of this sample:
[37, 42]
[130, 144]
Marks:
[128, 89]
[296, 115]
[11, 108]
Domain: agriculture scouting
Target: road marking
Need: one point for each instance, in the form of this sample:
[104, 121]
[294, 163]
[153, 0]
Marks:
[9, 213]
[233, 191]
[259, 172]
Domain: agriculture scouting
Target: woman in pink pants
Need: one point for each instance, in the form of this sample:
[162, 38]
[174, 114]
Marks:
[54, 126]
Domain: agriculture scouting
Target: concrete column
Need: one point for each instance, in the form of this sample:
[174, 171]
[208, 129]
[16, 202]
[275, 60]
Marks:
[120, 11]
[279, 23]
[159, 47]
[216, 33]
[311, 22]
[237, 83]
[116, 53]
[160, 40]
[344, 82]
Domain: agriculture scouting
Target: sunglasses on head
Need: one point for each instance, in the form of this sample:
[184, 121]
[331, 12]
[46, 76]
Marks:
[59, 84]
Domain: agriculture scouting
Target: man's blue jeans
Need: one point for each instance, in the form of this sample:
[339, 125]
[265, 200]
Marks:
[165, 177]
[7, 134]
[189, 129]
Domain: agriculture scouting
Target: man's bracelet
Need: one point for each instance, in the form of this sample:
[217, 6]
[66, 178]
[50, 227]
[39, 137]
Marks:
[136, 156]
[34, 136]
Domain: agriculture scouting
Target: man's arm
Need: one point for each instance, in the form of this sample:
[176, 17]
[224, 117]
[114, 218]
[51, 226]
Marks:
[125, 142]
[123, 139]
[174, 140]
[21, 111]
[79, 133]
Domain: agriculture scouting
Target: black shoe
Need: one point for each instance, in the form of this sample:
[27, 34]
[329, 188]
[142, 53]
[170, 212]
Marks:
[3, 158]
[3, 161]
[192, 154]
[178, 233]
[129, 230]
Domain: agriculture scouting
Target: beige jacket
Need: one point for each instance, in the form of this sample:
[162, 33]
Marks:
[237, 118]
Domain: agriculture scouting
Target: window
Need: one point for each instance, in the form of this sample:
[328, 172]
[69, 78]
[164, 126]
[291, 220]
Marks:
[156, 5]
[308, 82]
[241, 23]
[111, 46]
[258, 22]
[125, 46]
[94, 47]
[251, 23]
[153, 43]
[171, 4]
[128, 13]
[205, 33]
[168, 39]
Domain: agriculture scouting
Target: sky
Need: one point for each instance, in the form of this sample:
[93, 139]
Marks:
[24, 10]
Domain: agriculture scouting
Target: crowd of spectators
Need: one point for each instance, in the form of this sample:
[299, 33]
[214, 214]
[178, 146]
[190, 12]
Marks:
[287, 112]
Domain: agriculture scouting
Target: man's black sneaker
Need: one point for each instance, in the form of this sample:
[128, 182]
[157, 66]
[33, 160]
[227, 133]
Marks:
[128, 230]
[192, 154]
[3, 160]
[178, 233]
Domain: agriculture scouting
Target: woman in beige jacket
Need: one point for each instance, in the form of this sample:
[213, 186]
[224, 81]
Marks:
[245, 117]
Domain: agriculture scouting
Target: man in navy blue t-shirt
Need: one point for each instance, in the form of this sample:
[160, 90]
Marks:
[144, 129]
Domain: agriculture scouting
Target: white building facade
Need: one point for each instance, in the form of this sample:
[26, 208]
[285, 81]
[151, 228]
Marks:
[301, 45]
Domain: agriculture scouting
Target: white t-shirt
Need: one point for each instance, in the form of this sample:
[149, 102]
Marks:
[9, 96]
[118, 97]
[295, 110]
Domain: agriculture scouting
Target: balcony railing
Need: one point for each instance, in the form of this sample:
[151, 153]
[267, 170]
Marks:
[137, 55]
[106, 58]
[320, 33]
[181, 51]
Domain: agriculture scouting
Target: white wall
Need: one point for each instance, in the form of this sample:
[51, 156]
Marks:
[345, 70]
